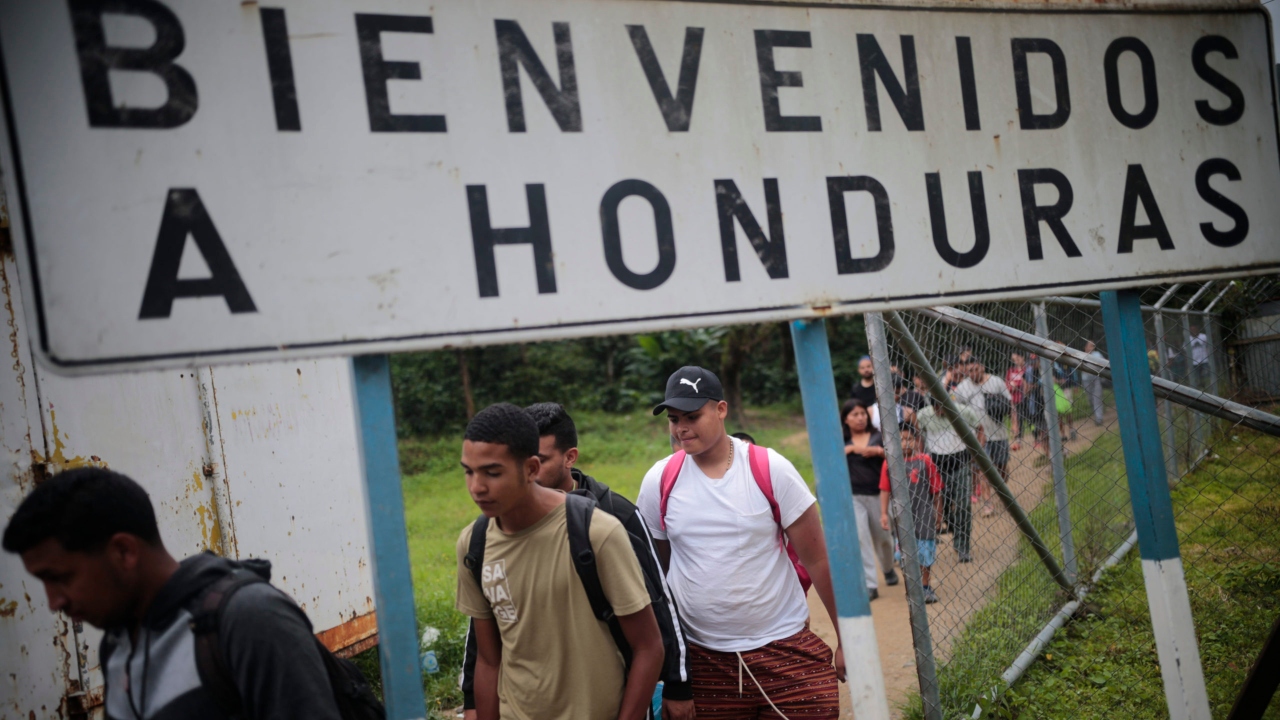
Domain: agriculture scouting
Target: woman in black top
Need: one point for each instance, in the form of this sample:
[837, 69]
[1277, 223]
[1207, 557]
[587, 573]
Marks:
[865, 455]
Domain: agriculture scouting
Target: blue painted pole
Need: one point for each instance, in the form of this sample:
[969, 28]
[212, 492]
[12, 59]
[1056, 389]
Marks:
[839, 524]
[1162, 571]
[392, 582]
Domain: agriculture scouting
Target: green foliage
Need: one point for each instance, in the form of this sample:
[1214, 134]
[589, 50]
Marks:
[611, 374]
[1103, 663]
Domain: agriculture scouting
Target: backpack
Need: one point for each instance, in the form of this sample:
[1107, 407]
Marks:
[759, 458]
[351, 691]
[998, 406]
[579, 506]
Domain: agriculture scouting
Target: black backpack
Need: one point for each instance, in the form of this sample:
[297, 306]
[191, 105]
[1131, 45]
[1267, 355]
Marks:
[998, 406]
[579, 505]
[351, 690]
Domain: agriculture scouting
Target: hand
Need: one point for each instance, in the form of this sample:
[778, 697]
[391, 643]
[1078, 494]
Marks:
[884, 521]
[677, 710]
[469, 714]
[840, 674]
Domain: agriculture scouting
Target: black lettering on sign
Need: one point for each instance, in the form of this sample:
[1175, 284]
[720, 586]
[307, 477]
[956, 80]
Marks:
[938, 219]
[1151, 97]
[1199, 61]
[1027, 117]
[514, 50]
[185, 214]
[676, 111]
[846, 264]
[284, 94]
[377, 72]
[1221, 238]
[613, 235]
[968, 85]
[1051, 215]
[772, 250]
[873, 62]
[484, 237]
[97, 60]
[771, 79]
[1136, 188]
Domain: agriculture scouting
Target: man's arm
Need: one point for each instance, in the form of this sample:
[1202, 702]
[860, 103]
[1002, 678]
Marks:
[488, 658]
[806, 537]
[663, 548]
[641, 631]
[273, 657]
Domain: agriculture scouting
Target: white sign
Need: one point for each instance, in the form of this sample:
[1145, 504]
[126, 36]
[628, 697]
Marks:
[201, 179]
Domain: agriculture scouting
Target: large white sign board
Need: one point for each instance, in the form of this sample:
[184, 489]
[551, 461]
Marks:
[202, 179]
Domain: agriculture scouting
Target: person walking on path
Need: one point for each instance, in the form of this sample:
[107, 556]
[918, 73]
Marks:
[90, 535]
[865, 388]
[735, 525]
[541, 650]
[949, 454]
[1014, 380]
[1093, 384]
[557, 455]
[997, 405]
[865, 454]
[925, 503]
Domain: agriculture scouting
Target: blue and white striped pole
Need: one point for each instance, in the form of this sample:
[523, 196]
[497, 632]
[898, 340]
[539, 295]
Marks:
[839, 524]
[1153, 508]
[388, 544]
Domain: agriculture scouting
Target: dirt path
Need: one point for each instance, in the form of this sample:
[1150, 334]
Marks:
[963, 589]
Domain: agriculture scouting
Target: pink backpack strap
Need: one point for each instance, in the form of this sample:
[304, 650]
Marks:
[669, 475]
[760, 471]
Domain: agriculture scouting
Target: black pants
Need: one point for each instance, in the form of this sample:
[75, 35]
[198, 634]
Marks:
[957, 486]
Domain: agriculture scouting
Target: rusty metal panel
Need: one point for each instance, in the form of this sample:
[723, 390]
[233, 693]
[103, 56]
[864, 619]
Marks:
[36, 647]
[288, 448]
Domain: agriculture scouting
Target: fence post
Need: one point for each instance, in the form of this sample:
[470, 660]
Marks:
[922, 640]
[392, 582]
[839, 524]
[1170, 436]
[1060, 497]
[1162, 571]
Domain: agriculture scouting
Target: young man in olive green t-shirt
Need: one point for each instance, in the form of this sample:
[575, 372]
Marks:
[533, 620]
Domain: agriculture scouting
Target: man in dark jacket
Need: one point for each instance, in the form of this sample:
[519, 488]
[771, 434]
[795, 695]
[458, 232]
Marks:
[558, 451]
[90, 536]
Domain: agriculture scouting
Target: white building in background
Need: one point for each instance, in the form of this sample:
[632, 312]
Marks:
[247, 461]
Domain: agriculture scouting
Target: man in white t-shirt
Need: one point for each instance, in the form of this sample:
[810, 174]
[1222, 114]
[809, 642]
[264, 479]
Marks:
[739, 594]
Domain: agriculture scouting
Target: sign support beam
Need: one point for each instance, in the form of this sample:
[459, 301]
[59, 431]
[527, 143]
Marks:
[839, 523]
[388, 541]
[1162, 571]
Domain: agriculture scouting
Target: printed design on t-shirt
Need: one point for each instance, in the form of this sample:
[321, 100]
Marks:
[493, 582]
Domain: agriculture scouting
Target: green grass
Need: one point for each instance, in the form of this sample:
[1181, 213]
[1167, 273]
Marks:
[615, 449]
[1103, 664]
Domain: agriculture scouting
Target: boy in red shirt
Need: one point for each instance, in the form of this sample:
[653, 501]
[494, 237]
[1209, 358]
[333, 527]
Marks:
[925, 503]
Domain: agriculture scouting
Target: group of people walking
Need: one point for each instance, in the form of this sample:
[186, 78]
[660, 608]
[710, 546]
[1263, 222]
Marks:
[580, 601]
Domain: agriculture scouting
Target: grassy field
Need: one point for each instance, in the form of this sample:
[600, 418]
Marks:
[616, 449]
[1103, 664]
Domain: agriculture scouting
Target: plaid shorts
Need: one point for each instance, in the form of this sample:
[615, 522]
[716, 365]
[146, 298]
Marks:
[796, 673]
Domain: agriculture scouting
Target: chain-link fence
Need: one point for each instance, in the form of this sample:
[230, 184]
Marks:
[1006, 578]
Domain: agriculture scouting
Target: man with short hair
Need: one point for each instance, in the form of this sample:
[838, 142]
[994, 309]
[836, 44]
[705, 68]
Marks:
[90, 536]
[865, 389]
[557, 455]
[950, 455]
[1093, 384]
[541, 651]
[740, 595]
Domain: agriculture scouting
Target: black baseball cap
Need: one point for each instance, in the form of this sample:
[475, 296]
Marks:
[689, 388]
